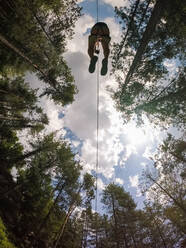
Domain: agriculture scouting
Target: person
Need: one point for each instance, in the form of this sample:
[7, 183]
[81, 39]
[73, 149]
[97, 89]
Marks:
[99, 34]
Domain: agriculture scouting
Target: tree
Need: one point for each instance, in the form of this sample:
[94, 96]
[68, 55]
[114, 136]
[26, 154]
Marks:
[167, 106]
[156, 230]
[148, 88]
[171, 155]
[38, 37]
[121, 207]
[135, 228]
[19, 106]
[45, 195]
[167, 183]
[81, 196]
[170, 187]
[18, 111]
[73, 232]
[154, 19]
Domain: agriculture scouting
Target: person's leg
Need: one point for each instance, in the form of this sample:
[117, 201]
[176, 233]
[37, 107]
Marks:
[105, 44]
[91, 44]
[91, 47]
[106, 51]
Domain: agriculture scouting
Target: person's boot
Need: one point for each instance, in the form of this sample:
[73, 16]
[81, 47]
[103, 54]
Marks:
[104, 66]
[92, 65]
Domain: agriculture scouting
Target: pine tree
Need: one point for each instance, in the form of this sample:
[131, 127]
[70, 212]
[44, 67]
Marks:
[146, 87]
[34, 39]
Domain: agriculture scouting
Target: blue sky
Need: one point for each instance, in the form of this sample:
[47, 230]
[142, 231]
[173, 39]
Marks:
[104, 10]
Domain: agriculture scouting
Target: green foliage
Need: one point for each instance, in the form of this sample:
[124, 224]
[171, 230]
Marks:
[72, 235]
[46, 193]
[121, 207]
[174, 214]
[167, 183]
[34, 39]
[17, 102]
[10, 147]
[49, 190]
[18, 111]
[4, 241]
[142, 57]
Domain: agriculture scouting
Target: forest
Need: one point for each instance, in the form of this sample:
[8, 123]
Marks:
[45, 195]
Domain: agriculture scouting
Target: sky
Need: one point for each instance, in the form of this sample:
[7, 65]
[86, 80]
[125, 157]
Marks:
[124, 150]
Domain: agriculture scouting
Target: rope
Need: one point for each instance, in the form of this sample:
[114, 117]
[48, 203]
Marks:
[97, 145]
[97, 10]
[97, 133]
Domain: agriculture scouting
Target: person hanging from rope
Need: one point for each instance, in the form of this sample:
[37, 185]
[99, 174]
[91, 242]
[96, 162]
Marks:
[99, 34]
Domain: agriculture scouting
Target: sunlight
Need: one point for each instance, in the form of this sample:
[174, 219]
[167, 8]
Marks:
[145, 135]
[135, 135]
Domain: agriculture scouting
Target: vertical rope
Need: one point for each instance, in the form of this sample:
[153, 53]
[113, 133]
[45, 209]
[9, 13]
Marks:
[97, 146]
[97, 10]
[97, 134]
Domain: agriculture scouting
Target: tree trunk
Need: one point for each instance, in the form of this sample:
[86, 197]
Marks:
[39, 22]
[85, 233]
[17, 51]
[125, 238]
[167, 193]
[29, 154]
[129, 26]
[71, 209]
[133, 239]
[4, 91]
[155, 99]
[11, 118]
[157, 226]
[144, 13]
[51, 208]
[178, 157]
[115, 222]
[153, 21]
[161, 235]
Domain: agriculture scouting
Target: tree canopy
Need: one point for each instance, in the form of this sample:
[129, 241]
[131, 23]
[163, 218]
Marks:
[33, 36]
[153, 38]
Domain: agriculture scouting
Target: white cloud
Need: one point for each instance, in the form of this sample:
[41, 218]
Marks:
[143, 164]
[115, 29]
[80, 117]
[14, 173]
[148, 153]
[134, 180]
[113, 3]
[128, 151]
[117, 3]
[76, 143]
[119, 181]
[171, 65]
[80, 39]
[138, 192]
[100, 184]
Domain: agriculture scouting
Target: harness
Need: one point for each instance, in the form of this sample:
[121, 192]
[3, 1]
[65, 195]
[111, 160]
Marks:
[96, 48]
[99, 29]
